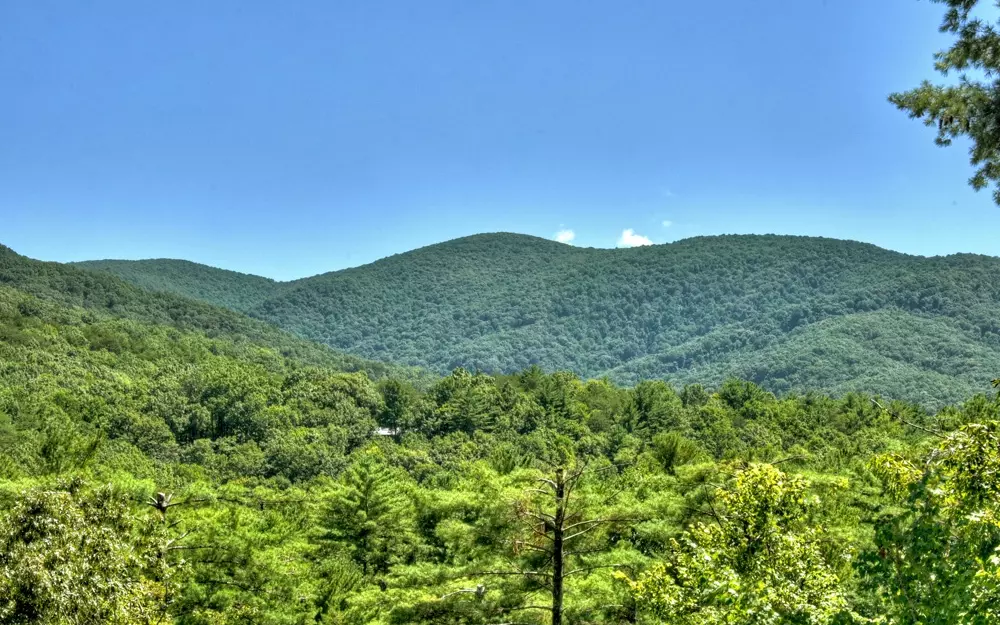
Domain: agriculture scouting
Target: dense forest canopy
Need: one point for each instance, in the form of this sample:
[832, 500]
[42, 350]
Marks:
[230, 289]
[789, 313]
[102, 295]
[158, 466]
[504, 430]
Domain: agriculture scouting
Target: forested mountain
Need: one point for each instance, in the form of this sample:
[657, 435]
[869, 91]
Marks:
[104, 296]
[735, 430]
[234, 290]
[158, 466]
[790, 313]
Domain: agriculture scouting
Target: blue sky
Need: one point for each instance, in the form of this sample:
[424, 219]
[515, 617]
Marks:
[288, 139]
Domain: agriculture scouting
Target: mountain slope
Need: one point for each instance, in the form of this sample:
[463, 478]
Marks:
[237, 291]
[104, 296]
[699, 309]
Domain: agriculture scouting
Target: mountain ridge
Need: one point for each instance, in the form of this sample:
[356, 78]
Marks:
[105, 296]
[109, 263]
[232, 289]
[696, 310]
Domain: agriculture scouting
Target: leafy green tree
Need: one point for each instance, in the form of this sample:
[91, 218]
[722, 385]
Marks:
[937, 560]
[605, 402]
[62, 448]
[566, 536]
[300, 454]
[398, 402]
[231, 400]
[694, 395]
[972, 106]
[248, 556]
[747, 398]
[464, 402]
[71, 555]
[759, 562]
[672, 450]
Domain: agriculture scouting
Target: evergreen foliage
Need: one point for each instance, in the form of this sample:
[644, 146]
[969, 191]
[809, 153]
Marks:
[970, 106]
[105, 296]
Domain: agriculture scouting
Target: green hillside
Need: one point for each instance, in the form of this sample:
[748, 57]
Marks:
[238, 291]
[154, 472]
[102, 296]
[791, 313]
[164, 460]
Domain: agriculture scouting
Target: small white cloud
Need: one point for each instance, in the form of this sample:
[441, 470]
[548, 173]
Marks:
[565, 236]
[630, 239]
[667, 223]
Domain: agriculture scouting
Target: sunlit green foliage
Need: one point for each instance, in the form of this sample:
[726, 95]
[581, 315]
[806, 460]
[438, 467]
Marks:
[759, 561]
[237, 291]
[72, 555]
[104, 296]
[937, 560]
[370, 516]
[180, 471]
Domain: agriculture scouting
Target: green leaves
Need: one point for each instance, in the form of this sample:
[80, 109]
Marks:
[672, 450]
[759, 562]
[937, 560]
[290, 509]
[75, 555]
[793, 314]
[370, 515]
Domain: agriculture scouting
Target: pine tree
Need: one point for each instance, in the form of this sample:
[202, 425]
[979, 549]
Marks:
[370, 516]
[971, 107]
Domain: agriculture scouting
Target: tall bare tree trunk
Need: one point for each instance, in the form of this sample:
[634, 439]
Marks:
[557, 548]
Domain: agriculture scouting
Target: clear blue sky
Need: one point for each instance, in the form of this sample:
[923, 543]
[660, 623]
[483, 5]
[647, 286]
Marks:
[291, 138]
